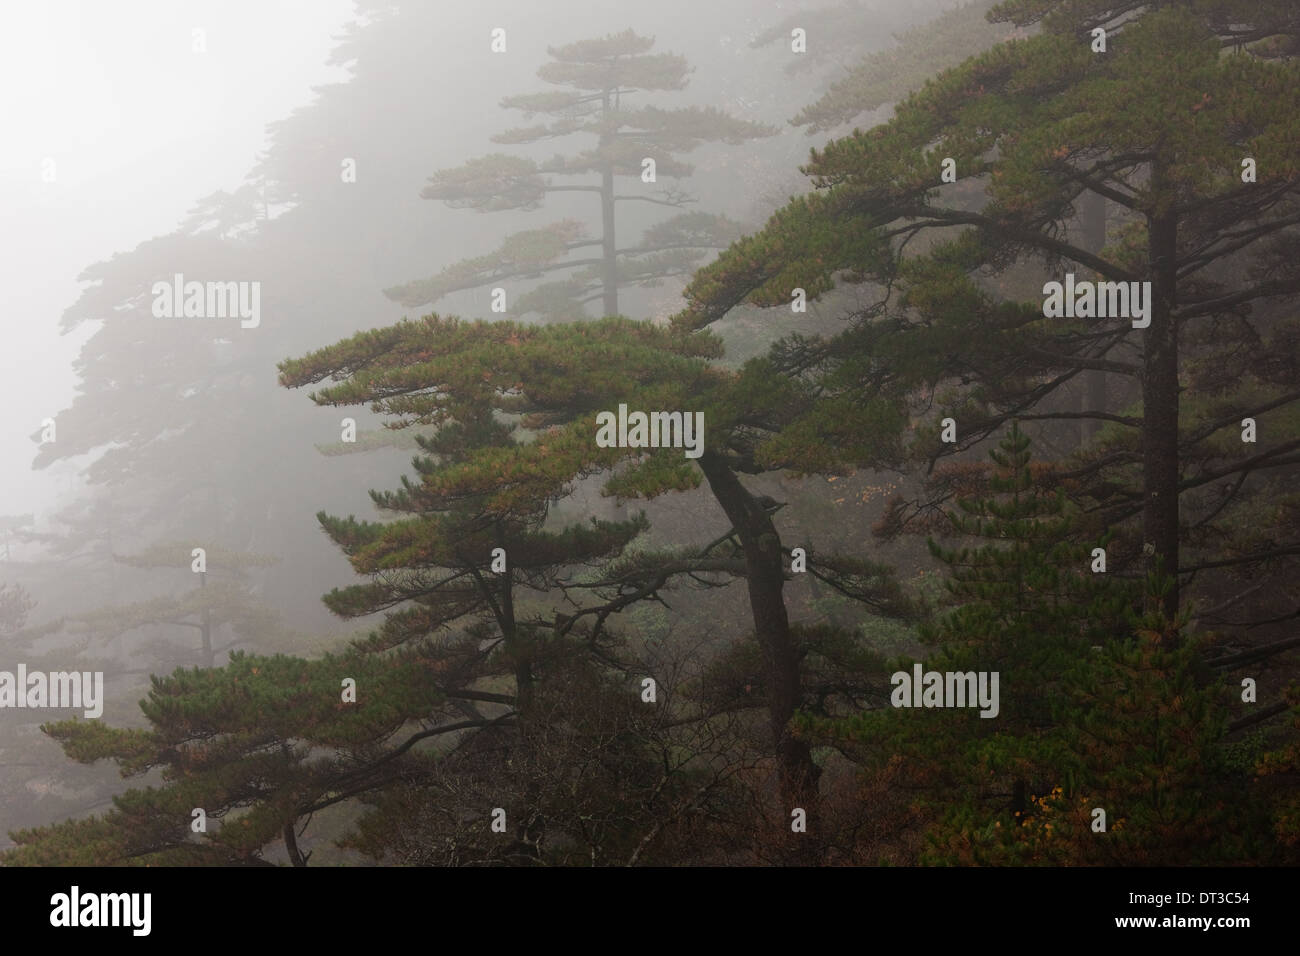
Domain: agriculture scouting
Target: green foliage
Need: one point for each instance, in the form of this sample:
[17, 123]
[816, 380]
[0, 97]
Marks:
[250, 743]
[1276, 769]
[1024, 604]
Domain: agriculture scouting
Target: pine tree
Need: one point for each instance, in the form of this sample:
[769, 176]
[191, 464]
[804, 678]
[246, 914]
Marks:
[1027, 605]
[206, 607]
[1142, 776]
[1109, 744]
[600, 76]
[1277, 769]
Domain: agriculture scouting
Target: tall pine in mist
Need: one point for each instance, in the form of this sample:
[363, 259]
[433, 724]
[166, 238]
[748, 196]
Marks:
[500, 601]
[599, 80]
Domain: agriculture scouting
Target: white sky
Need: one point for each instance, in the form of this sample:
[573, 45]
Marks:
[139, 127]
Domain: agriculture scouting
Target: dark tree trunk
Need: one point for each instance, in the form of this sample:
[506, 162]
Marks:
[529, 833]
[1019, 799]
[291, 845]
[1160, 393]
[520, 655]
[765, 577]
[1092, 222]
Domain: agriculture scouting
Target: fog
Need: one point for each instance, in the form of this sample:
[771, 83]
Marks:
[137, 126]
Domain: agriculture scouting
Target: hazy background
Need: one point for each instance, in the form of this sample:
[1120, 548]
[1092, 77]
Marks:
[139, 127]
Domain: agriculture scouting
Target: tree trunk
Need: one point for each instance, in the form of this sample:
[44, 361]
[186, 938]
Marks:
[1092, 222]
[1160, 393]
[609, 257]
[765, 578]
[609, 267]
[1019, 799]
[291, 845]
[520, 656]
[530, 831]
